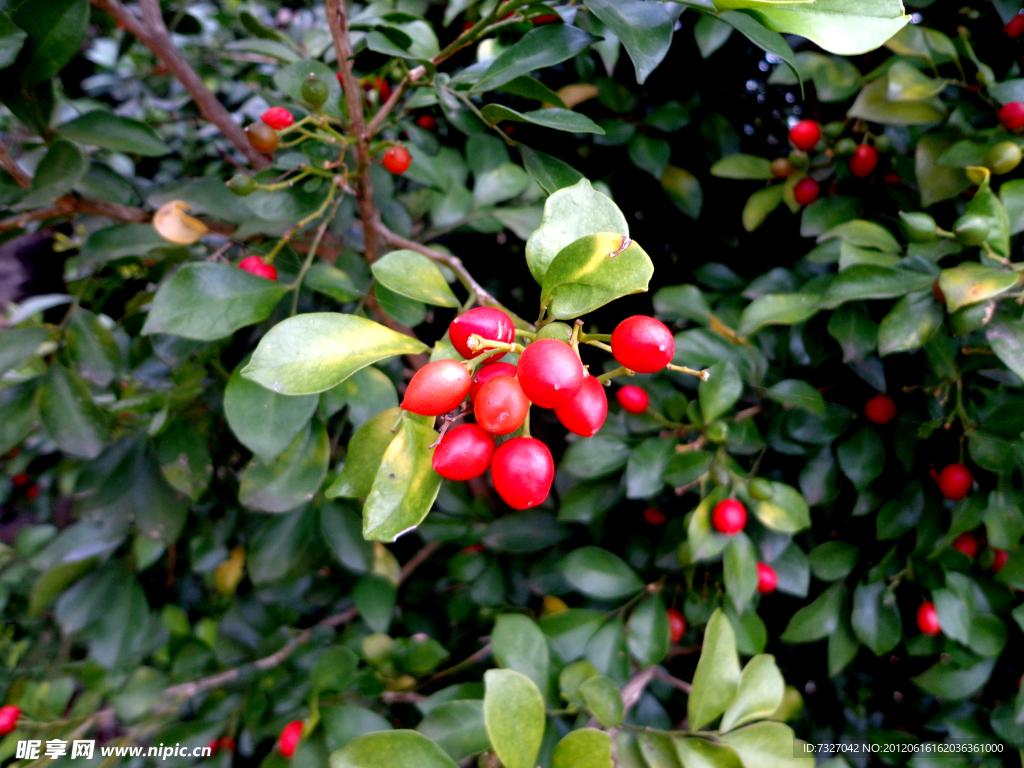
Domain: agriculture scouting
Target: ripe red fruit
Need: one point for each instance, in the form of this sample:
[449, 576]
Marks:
[729, 516]
[522, 470]
[880, 409]
[643, 344]
[500, 406]
[967, 544]
[488, 322]
[426, 122]
[676, 625]
[32, 492]
[1011, 116]
[585, 414]
[937, 292]
[632, 399]
[289, 738]
[257, 266]
[547, 18]
[1014, 28]
[213, 745]
[277, 118]
[9, 718]
[655, 516]
[999, 558]
[928, 619]
[767, 579]
[20, 479]
[463, 453]
[437, 388]
[805, 135]
[806, 191]
[227, 744]
[955, 481]
[487, 372]
[397, 160]
[864, 161]
[550, 373]
[473, 549]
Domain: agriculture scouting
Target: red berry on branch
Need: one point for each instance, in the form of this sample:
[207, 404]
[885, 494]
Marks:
[213, 745]
[805, 135]
[655, 516]
[262, 138]
[383, 88]
[955, 481]
[806, 191]
[9, 718]
[1014, 28]
[892, 178]
[585, 414]
[32, 492]
[643, 344]
[437, 388]
[522, 470]
[676, 625]
[928, 619]
[550, 373]
[426, 122]
[397, 160]
[473, 549]
[632, 399]
[463, 453]
[967, 544]
[227, 744]
[20, 479]
[485, 373]
[880, 409]
[277, 118]
[729, 516]
[767, 579]
[289, 738]
[1011, 116]
[864, 161]
[257, 266]
[500, 406]
[487, 322]
[999, 558]
[547, 18]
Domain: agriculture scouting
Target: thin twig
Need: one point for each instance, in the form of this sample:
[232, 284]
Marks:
[633, 689]
[482, 655]
[17, 173]
[418, 559]
[675, 682]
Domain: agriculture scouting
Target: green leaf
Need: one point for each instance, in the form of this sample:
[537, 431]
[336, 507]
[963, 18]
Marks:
[649, 153]
[797, 393]
[330, 281]
[764, 38]
[866, 234]
[1007, 340]
[185, 458]
[777, 309]
[902, 513]
[293, 477]
[645, 29]
[414, 276]
[314, 352]
[720, 392]
[550, 172]
[69, 414]
[61, 168]
[550, 117]
[969, 284]
[514, 715]
[56, 29]
[499, 184]
[19, 413]
[531, 88]
[937, 182]
[335, 669]
[584, 748]
[910, 324]
[759, 694]
[648, 632]
[374, 597]
[874, 104]
[114, 132]
[832, 560]
[908, 83]
[717, 676]
[519, 644]
[954, 615]
[862, 457]
[743, 167]
[365, 452]
[413, 39]
[876, 617]
[600, 574]
[946, 680]
[646, 464]
[868, 281]
[342, 530]
[17, 345]
[92, 347]
[683, 189]
[701, 753]
[659, 751]
[263, 421]
[387, 749]
[12, 39]
[541, 47]
[759, 205]
[740, 570]
[291, 77]
[711, 34]
[602, 697]
[852, 327]
[817, 620]
[458, 728]
[764, 744]
[117, 242]
[405, 485]
[595, 457]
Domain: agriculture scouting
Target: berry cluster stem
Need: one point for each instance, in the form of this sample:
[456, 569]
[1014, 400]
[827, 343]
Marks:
[620, 371]
[703, 375]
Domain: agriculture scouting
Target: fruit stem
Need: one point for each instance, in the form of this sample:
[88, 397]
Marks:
[528, 334]
[525, 430]
[599, 345]
[479, 342]
[585, 337]
[620, 371]
[703, 375]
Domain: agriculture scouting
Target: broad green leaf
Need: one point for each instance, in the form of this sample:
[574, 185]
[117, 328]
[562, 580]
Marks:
[413, 39]
[765, 744]
[531, 88]
[514, 715]
[593, 271]
[184, 458]
[458, 728]
[342, 530]
[658, 751]
[595, 457]
[910, 324]
[293, 477]
[740, 570]
[711, 34]
[550, 117]
[551, 173]
[92, 347]
[777, 309]
[843, 646]
[760, 204]
[696, 752]
[852, 327]
[649, 153]
[796, 393]
[69, 414]
[862, 457]
[720, 392]
[541, 47]
[314, 352]
[1007, 340]
[648, 632]
[645, 29]
[12, 39]
[414, 276]
[330, 281]
[208, 301]
[832, 560]
[970, 283]
[600, 574]
[335, 669]
[53, 582]
[684, 190]
[55, 29]
[584, 748]
[987, 205]
[263, 421]
[374, 597]
[817, 620]
[646, 464]
[764, 38]
[17, 345]
[866, 234]
[759, 694]
[602, 697]
[519, 644]
[902, 513]
[876, 617]
[19, 412]
[954, 614]
[874, 104]
[114, 132]
[908, 83]
[119, 241]
[365, 452]
[743, 167]
[717, 676]
[346, 723]
[937, 182]
[950, 682]
[63, 166]
[499, 184]
[387, 749]
[868, 281]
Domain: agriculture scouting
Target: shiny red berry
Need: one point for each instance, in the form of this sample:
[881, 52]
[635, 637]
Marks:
[437, 388]
[632, 399]
[767, 579]
[999, 558]
[485, 373]
[257, 266]
[426, 122]
[289, 738]
[585, 414]
[1014, 28]
[1011, 116]
[227, 744]
[383, 88]
[9, 718]
[805, 135]
[213, 745]
[463, 453]
[955, 481]
[729, 516]
[643, 344]
[277, 118]
[487, 322]
[550, 373]
[864, 161]
[928, 619]
[806, 191]
[967, 544]
[676, 625]
[880, 409]
[522, 470]
[500, 406]
[397, 160]
[654, 516]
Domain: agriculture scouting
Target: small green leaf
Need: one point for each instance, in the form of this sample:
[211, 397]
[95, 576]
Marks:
[414, 276]
[817, 620]
[868, 281]
[598, 573]
[648, 632]
[519, 644]
[717, 676]
[742, 166]
[740, 570]
[56, 29]
[797, 393]
[701, 753]
[584, 748]
[601, 696]
[330, 281]
[550, 117]
[910, 324]
[499, 184]
[720, 392]
[12, 39]
[777, 309]
[765, 743]
[1007, 341]
[387, 749]
[514, 715]
[548, 171]
[69, 414]
[374, 597]
[760, 204]
[541, 47]
[263, 421]
[684, 190]
[293, 477]
[876, 617]
[63, 166]
[114, 132]
[458, 728]
[645, 29]
[17, 345]
[759, 694]
[950, 682]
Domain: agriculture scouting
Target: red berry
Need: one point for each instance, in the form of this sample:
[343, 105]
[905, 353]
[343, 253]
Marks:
[213, 745]
[999, 558]
[550, 373]
[937, 292]
[426, 122]
[676, 625]
[463, 453]
[767, 579]
[383, 88]
[397, 160]
[632, 399]
[1014, 28]
[20, 479]
[892, 178]
[547, 18]
[806, 191]
[522, 470]
[655, 516]
[880, 409]
[1011, 116]
[289, 738]
[473, 549]
[643, 344]
[487, 372]
[585, 414]
[967, 544]
[500, 406]
[928, 619]
[955, 481]
[487, 322]
[227, 744]
[32, 492]
[864, 161]
[729, 516]
[262, 137]
[805, 135]
[257, 266]
[277, 118]
[9, 718]
[437, 388]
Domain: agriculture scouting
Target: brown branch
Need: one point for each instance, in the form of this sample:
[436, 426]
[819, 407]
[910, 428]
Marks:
[389, 105]
[69, 205]
[675, 682]
[633, 689]
[21, 178]
[482, 655]
[418, 559]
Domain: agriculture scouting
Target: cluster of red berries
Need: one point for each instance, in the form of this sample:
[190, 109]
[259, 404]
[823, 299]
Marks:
[9, 718]
[805, 136]
[730, 517]
[549, 374]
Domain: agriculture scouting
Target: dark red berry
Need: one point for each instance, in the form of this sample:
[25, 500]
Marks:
[437, 388]
[522, 470]
[397, 160]
[805, 135]
[864, 161]
[585, 414]
[729, 516]
[20, 479]
[500, 406]
[632, 399]
[426, 122]
[676, 625]
[473, 549]
[257, 266]
[1014, 28]
[463, 453]
[213, 745]
[487, 322]
[277, 118]
[487, 372]
[655, 516]
[999, 558]
[880, 409]
[9, 718]
[928, 619]
[262, 137]
[1011, 116]
[227, 744]
[32, 492]
[806, 191]
[967, 544]
[643, 344]
[937, 292]
[550, 373]
[892, 178]
[546, 18]
[955, 481]
[289, 738]
[767, 579]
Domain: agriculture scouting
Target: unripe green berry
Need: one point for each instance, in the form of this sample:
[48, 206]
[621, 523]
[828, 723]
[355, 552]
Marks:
[918, 227]
[971, 229]
[559, 331]
[376, 648]
[883, 144]
[798, 159]
[1003, 157]
[761, 489]
[242, 185]
[314, 91]
[834, 129]
[718, 431]
[846, 146]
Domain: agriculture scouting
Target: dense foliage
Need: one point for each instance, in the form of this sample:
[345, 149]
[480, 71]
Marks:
[220, 527]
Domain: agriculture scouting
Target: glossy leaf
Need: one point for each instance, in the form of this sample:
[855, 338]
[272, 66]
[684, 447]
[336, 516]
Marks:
[1007, 341]
[759, 694]
[542, 47]
[720, 392]
[743, 167]
[777, 309]
[55, 30]
[876, 617]
[458, 728]
[759, 205]
[600, 574]
[114, 132]
[386, 749]
[740, 570]
[514, 715]
[868, 281]
[602, 697]
[17, 345]
[415, 276]
[818, 619]
[970, 283]
[556, 118]
[717, 676]
[365, 452]
[648, 632]
[519, 644]
[70, 415]
[584, 748]
[263, 421]
[293, 477]
[644, 29]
